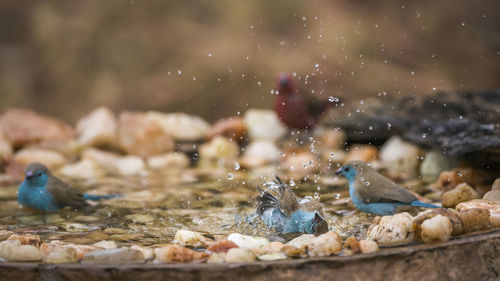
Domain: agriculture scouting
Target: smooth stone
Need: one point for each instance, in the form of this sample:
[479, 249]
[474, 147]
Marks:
[239, 255]
[181, 126]
[492, 206]
[366, 153]
[324, 245]
[105, 244]
[494, 194]
[173, 160]
[220, 151]
[141, 135]
[22, 127]
[147, 252]
[461, 193]
[232, 128]
[436, 229]
[272, 257]
[434, 163]
[83, 169]
[114, 256]
[51, 159]
[475, 219]
[263, 125]
[178, 254]
[400, 157]
[61, 255]
[247, 242]
[387, 230]
[368, 246]
[100, 127]
[130, 165]
[190, 238]
[300, 165]
[262, 149]
[13, 250]
[221, 246]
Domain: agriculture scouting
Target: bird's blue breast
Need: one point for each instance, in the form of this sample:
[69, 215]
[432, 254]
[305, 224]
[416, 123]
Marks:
[36, 197]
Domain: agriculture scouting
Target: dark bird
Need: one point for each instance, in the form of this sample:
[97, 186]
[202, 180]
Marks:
[284, 213]
[42, 191]
[296, 109]
[374, 193]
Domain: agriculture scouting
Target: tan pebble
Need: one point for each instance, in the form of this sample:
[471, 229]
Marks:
[27, 239]
[221, 246]
[436, 229]
[352, 244]
[475, 219]
[461, 193]
[178, 254]
[239, 255]
[368, 246]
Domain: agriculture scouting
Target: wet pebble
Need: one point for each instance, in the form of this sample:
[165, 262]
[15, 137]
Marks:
[475, 219]
[58, 253]
[494, 193]
[191, 238]
[368, 246]
[396, 229]
[173, 160]
[13, 250]
[366, 153]
[247, 242]
[263, 125]
[51, 159]
[105, 244]
[27, 239]
[352, 244]
[461, 193]
[178, 254]
[323, 245]
[239, 255]
[272, 257]
[147, 252]
[400, 157]
[436, 229]
[99, 127]
[492, 206]
[221, 246]
[114, 256]
[84, 169]
[143, 135]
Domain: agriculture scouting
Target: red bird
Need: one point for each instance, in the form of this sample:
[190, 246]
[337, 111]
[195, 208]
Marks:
[296, 109]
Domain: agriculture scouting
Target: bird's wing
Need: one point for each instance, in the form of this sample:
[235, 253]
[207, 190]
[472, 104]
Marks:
[64, 194]
[266, 201]
[288, 201]
[375, 188]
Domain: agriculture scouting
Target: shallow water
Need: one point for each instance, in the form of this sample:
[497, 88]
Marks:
[155, 206]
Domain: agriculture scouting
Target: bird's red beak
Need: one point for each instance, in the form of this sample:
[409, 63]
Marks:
[339, 172]
[29, 174]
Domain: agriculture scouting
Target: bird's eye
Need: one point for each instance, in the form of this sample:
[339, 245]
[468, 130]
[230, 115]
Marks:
[39, 174]
[347, 169]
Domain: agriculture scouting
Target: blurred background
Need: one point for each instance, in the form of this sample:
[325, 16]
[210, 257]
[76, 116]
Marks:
[216, 58]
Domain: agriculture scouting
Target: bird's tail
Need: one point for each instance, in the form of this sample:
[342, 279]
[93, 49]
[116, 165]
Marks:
[417, 203]
[87, 196]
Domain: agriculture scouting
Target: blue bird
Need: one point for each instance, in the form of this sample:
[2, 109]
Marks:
[284, 214]
[374, 193]
[42, 191]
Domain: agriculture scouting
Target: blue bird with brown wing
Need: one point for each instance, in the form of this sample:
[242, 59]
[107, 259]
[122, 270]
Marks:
[43, 191]
[374, 193]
